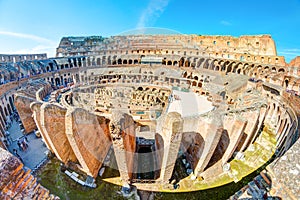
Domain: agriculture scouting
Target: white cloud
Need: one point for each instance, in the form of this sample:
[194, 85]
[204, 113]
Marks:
[50, 50]
[153, 11]
[44, 45]
[26, 36]
[225, 23]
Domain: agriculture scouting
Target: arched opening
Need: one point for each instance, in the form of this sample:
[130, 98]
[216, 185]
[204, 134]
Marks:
[119, 61]
[187, 63]
[169, 62]
[200, 62]
[286, 83]
[181, 62]
[57, 81]
[135, 62]
[11, 101]
[146, 162]
[130, 62]
[9, 109]
[229, 68]
[5, 111]
[125, 62]
[98, 61]
[51, 66]
[206, 64]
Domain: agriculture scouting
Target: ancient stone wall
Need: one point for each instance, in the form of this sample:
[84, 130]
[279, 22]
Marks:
[88, 136]
[122, 130]
[16, 183]
[22, 104]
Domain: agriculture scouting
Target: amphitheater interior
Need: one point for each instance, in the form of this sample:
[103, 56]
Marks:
[187, 110]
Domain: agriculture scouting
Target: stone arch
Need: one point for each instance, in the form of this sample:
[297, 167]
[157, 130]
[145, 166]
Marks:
[286, 83]
[200, 62]
[109, 60]
[229, 67]
[206, 64]
[181, 62]
[57, 81]
[224, 65]
[187, 63]
[11, 101]
[213, 64]
[119, 61]
[98, 61]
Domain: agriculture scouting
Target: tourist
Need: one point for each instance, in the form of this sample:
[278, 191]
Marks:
[20, 145]
[24, 143]
[26, 140]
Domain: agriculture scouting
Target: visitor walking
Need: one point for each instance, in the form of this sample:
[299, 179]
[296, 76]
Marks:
[19, 145]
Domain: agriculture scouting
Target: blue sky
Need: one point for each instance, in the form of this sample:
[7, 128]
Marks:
[31, 26]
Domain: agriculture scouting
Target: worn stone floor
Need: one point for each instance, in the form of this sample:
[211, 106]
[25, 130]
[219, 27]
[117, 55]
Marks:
[36, 151]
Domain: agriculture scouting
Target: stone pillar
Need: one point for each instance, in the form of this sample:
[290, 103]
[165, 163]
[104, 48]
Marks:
[122, 130]
[172, 133]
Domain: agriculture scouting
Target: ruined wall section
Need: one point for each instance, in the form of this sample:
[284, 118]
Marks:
[16, 183]
[122, 130]
[54, 129]
[22, 104]
[88, 136]
[25, 96]
[172, 124]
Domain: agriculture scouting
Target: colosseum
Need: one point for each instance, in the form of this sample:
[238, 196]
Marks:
[177, 113]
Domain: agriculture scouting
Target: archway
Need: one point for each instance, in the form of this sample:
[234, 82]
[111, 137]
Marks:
[57, 81]
[11, 102]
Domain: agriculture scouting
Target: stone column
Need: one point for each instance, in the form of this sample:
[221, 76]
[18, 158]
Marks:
[172, 133]
[122, 130]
